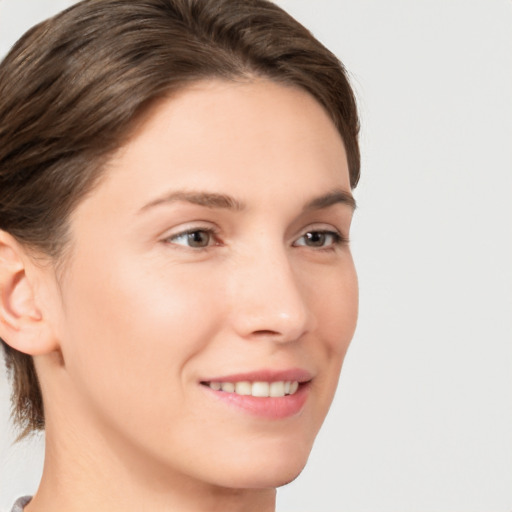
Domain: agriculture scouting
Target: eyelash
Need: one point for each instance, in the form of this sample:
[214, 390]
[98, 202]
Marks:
[212, 233]
[337, 238]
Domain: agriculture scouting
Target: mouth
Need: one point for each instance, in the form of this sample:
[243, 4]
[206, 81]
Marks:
[271, 395]
[260, 389]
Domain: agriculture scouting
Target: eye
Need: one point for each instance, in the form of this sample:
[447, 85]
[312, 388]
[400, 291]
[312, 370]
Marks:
[194, 238]
[319, 239]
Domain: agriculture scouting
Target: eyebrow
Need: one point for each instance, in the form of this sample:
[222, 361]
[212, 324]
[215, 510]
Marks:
[338, 196]
[207, 199]
[224, 201]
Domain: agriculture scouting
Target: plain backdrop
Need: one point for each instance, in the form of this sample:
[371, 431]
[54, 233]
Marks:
[422, 421]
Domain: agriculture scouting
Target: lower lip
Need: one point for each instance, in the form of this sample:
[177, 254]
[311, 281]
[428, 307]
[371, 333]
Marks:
[273, 408]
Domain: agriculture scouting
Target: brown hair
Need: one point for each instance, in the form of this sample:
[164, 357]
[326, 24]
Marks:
[73, 86]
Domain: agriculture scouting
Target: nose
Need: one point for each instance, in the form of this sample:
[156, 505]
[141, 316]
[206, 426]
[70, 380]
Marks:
[268, 297]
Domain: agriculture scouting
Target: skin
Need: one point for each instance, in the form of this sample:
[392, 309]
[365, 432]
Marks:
[138, 318]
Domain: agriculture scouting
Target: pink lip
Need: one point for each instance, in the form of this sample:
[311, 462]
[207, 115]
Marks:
[273, 408]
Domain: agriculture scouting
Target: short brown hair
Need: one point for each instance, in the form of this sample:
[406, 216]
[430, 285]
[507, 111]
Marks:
[73, 86]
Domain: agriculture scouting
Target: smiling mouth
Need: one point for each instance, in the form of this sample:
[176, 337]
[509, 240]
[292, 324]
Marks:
[266, 394]
[256, 389]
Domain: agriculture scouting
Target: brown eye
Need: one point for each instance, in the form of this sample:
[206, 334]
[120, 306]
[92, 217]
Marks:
[315, 239]
[318, 239]
[197, 239]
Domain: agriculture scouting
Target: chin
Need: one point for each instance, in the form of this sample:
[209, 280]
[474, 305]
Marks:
[276, 470]
[287, 476]
[271, 478]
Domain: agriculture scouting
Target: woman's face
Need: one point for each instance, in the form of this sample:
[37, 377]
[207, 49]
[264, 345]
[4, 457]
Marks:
[212, 254]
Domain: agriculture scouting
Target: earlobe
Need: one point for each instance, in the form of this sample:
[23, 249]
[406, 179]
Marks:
[22, 324]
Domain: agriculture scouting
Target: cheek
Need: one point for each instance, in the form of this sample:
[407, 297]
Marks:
[334, 299]
[135, 330]
[336, 307]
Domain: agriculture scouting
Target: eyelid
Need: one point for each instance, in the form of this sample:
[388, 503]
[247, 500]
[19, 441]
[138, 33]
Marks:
[192, 228]
[214, 232]
[340, 237]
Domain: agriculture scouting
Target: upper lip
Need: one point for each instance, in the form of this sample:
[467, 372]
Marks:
[266, 375]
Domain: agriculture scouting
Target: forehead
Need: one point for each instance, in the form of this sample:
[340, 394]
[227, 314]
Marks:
[241, 138]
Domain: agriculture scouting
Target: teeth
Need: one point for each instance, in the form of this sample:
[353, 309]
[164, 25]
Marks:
[276, 389]
[229, 387]
[259, 389]
[243, 388]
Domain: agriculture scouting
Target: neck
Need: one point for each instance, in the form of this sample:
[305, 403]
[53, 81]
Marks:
[97, 474]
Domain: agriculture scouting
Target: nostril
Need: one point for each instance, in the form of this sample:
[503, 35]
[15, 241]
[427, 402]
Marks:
[266, 333]
[270, 305]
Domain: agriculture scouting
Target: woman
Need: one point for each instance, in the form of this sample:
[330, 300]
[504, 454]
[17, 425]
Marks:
[178, 292]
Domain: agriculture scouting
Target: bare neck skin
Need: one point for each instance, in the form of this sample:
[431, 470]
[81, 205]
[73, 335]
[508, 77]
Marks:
[85, 473]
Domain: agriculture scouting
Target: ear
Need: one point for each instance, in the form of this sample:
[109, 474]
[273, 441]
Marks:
[22, 323]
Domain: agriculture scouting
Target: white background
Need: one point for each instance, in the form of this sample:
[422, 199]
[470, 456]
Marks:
[423, 418]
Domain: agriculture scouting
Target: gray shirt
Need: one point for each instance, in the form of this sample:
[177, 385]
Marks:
[20, 503]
